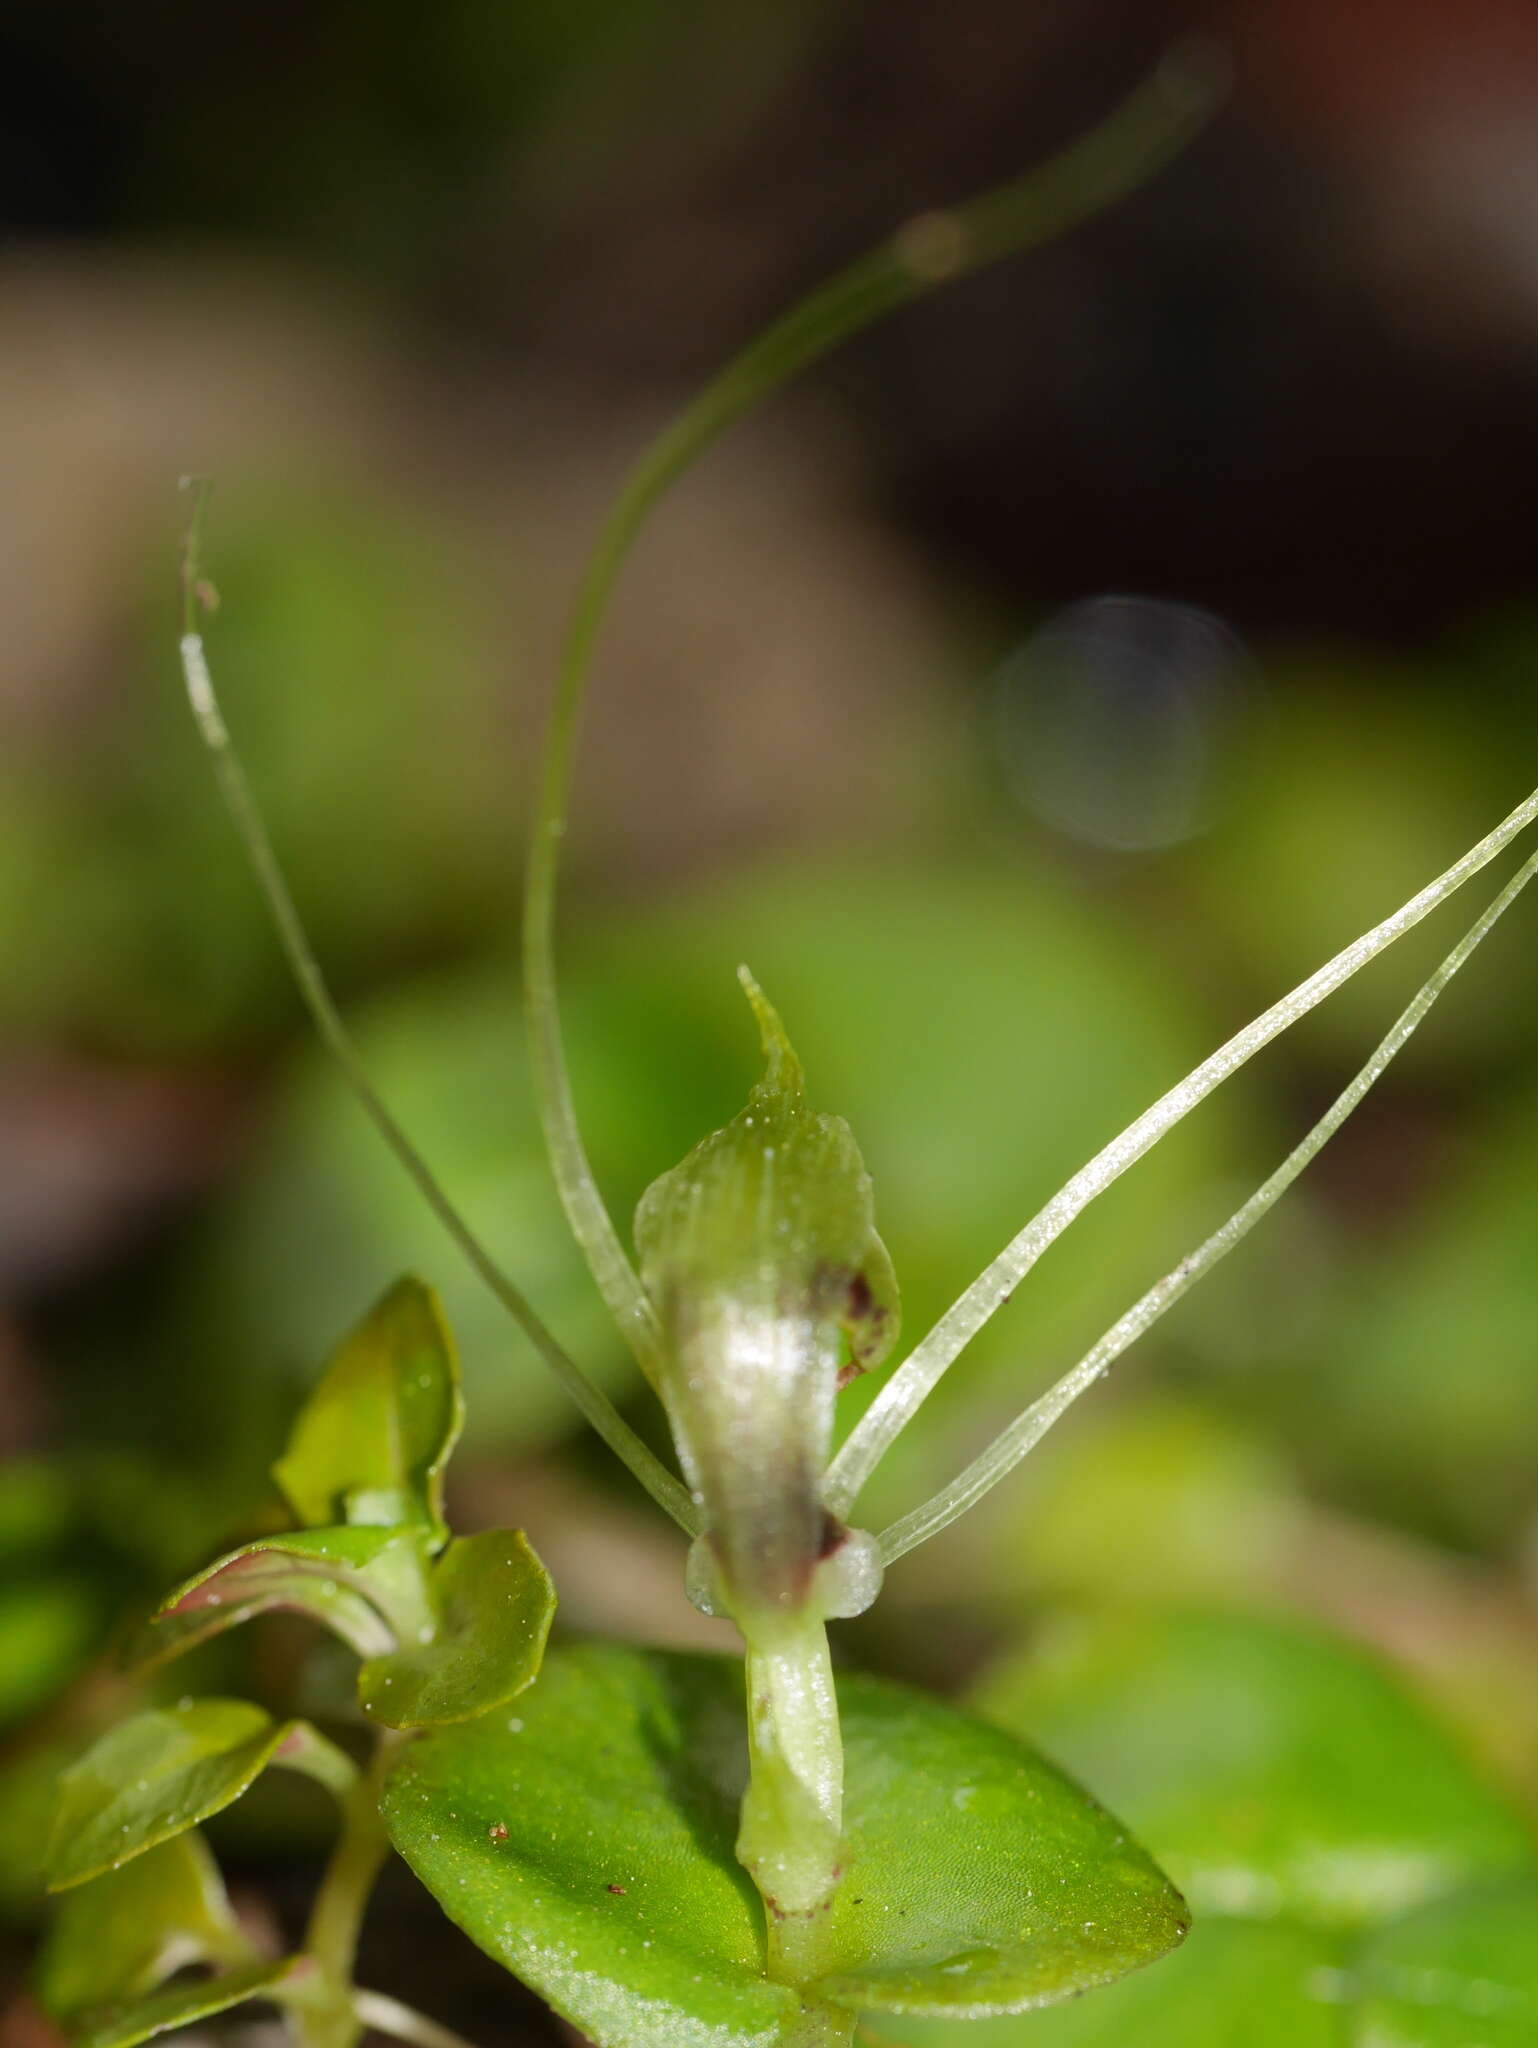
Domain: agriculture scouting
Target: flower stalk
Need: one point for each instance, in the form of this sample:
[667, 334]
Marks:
[327, 2015]
[793, 1811]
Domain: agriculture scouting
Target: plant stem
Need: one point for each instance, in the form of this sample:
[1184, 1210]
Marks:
[796, 1950]
[403, 2022]
[1153, 124]
[328, 2016]
[790, 1838]
[820, 2026]
[899, 1400]
[1031, 1426]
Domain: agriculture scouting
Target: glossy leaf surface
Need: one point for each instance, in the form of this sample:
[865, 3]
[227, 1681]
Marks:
[1461, 1974]
[118, 1937]
[157, 1774]
[371, 1442]
[494, 1603]
[978, 1876]
[586, 1842]
[1233, 1982]
[180, 2005]
[1274, 1770]
[339, 1577]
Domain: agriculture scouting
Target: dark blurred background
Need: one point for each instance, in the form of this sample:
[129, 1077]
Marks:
[1045, 684]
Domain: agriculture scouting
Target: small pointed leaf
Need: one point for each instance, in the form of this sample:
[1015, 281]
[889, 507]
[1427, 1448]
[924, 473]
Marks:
[371, 1443]
[586, 1842]
[339, 1577]
[117, 1938]
[154, 1776]
[182, 2004]
[1275, 1770]
[494, 1603]
[1460, 1973]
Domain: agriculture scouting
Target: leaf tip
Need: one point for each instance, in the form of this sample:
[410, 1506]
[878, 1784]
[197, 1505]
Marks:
[782, 1069]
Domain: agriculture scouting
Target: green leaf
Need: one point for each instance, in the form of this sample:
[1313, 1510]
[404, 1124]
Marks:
[152, 1777]
[371, 1442]
[1461, 1974]
[181, 2004]
[978, 1878]
[1274, 1770]
[341, 1578]
[586, 1843]
[118, 1937]
[1233, 1981]
[494, 1603]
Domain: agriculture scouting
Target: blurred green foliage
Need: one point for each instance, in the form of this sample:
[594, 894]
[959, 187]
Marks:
[363, 633]
[971, 985]
[1353, 1879]
[984, 1002]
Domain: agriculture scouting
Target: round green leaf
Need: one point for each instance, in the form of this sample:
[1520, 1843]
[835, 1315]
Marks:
[371, 1442]
[978, 1878]
[495, 1602]
[587, 1842]
[1461, 1974]
[124, 1933]
[156, 1775]
[1232, 1982]
[1274, 1770]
